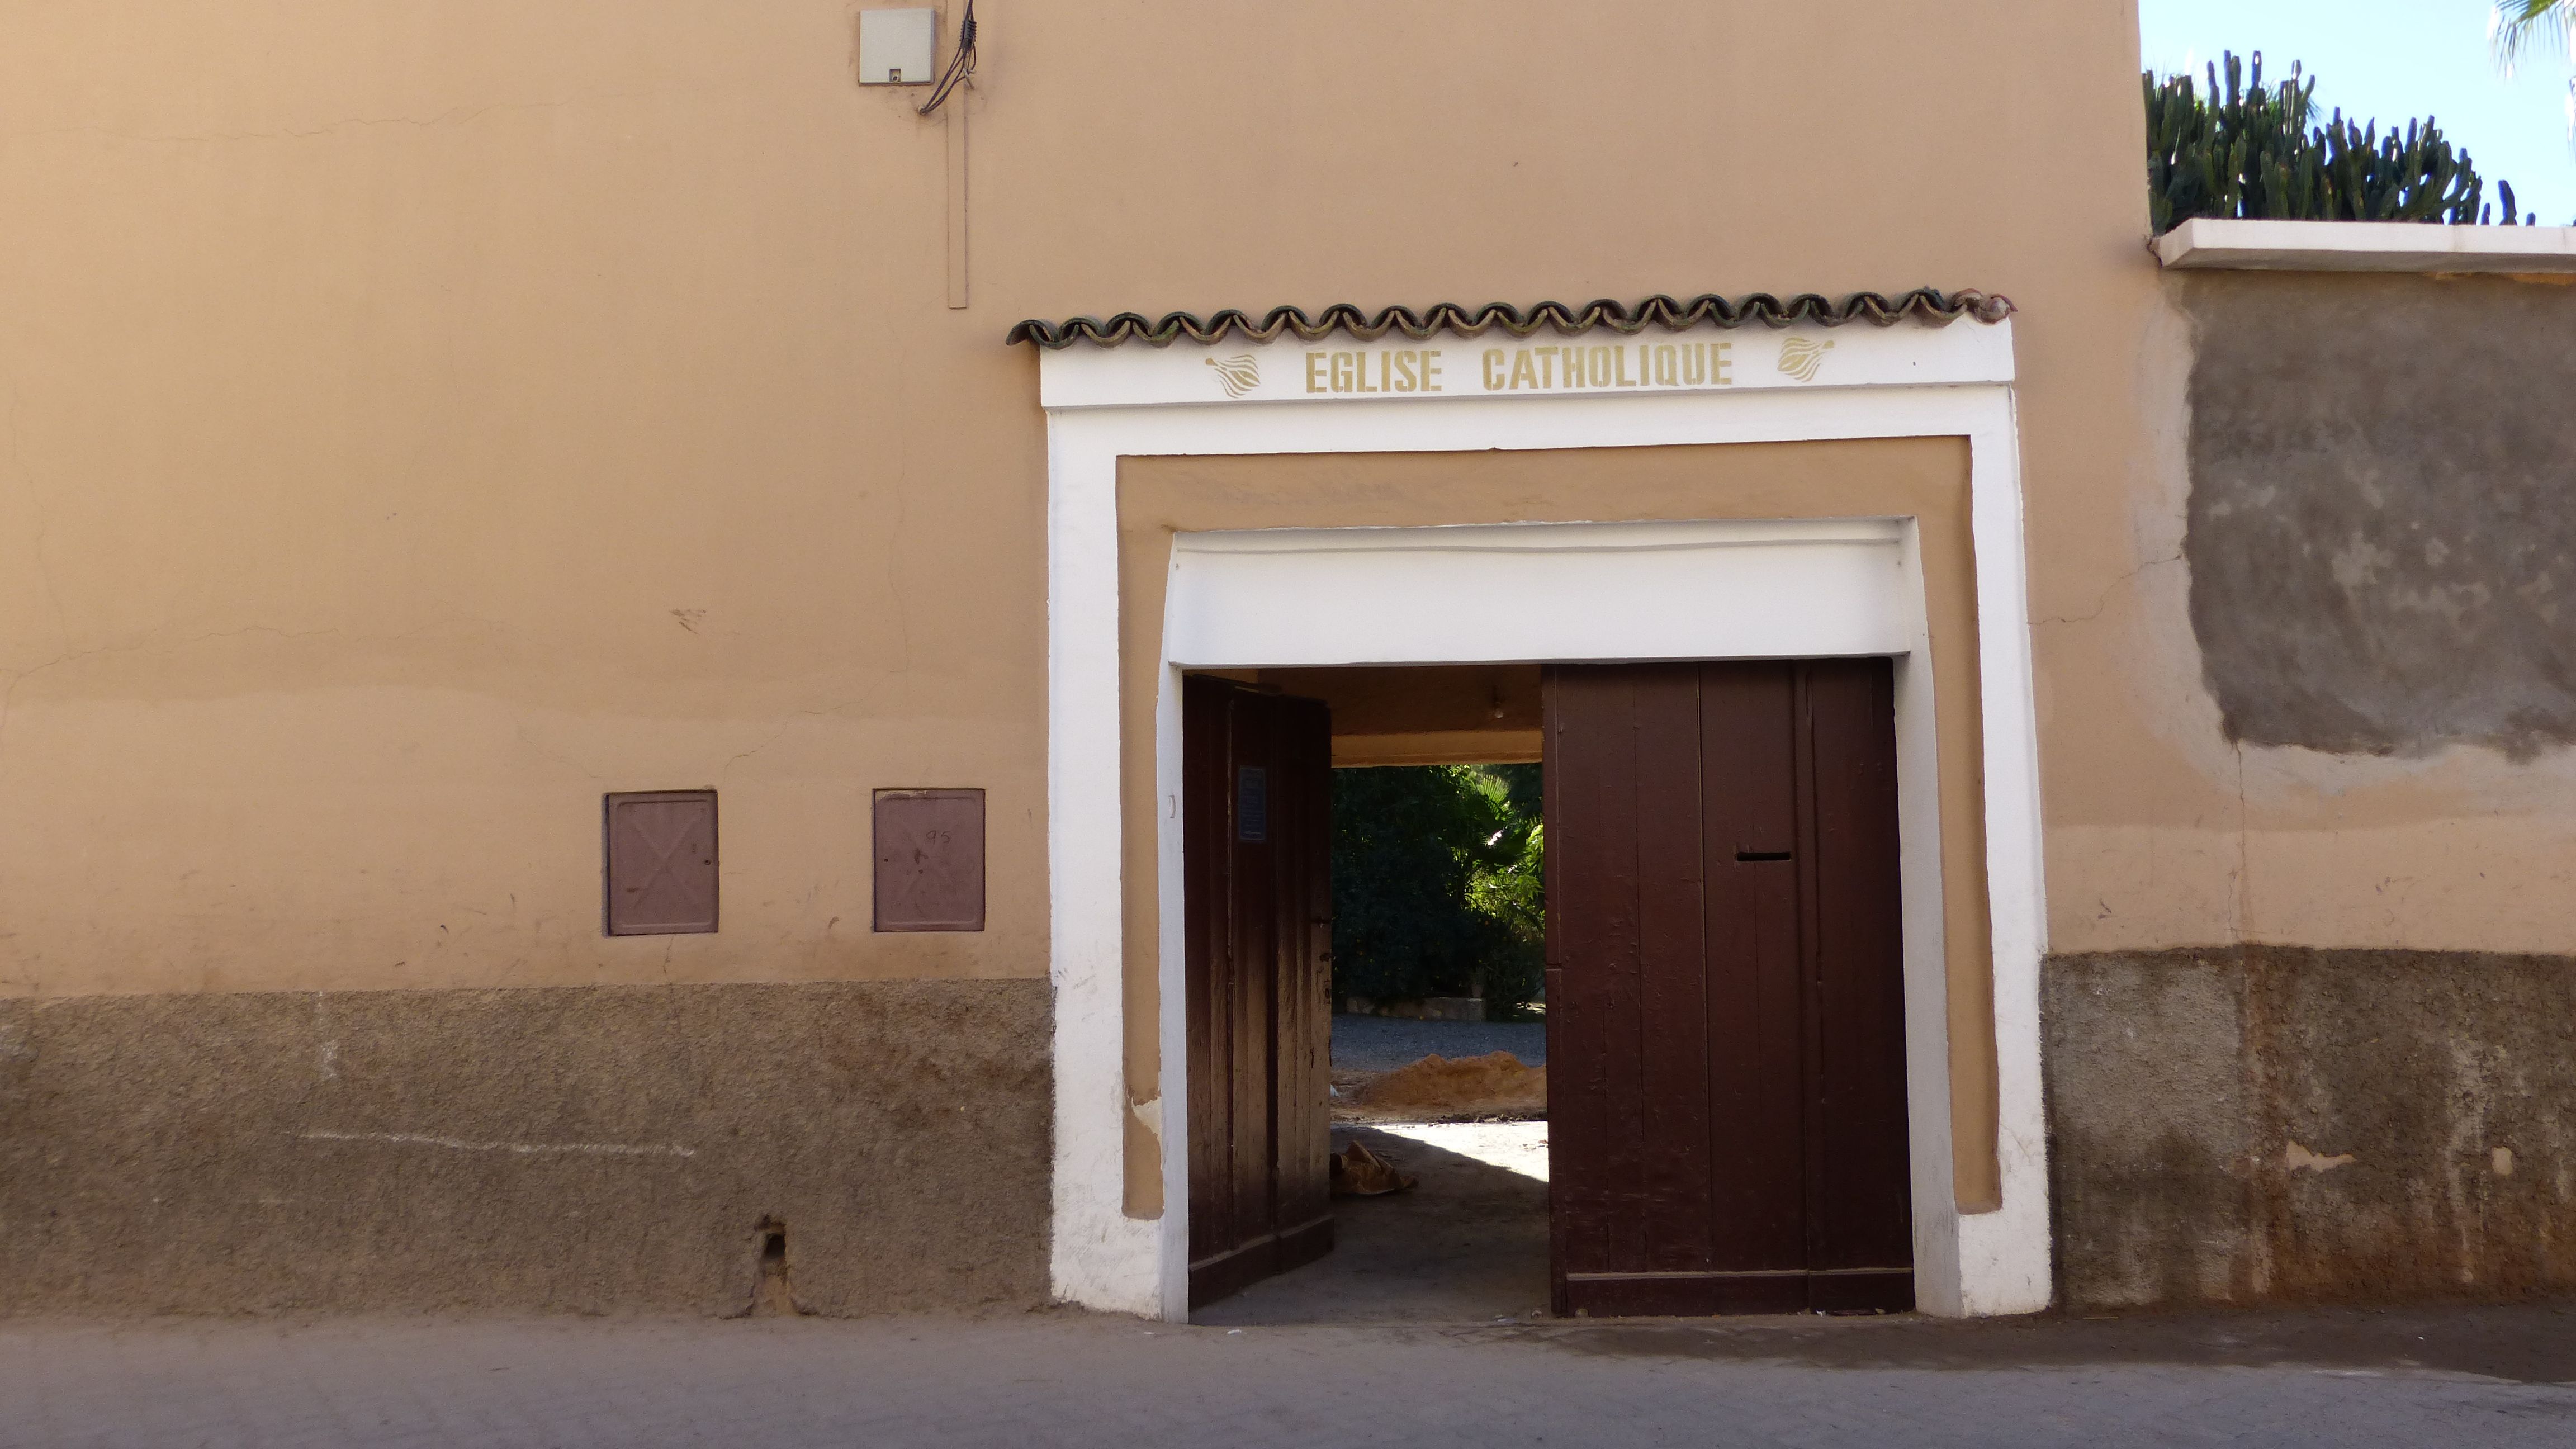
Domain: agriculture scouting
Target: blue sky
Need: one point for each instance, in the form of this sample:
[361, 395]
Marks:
[2395, 59]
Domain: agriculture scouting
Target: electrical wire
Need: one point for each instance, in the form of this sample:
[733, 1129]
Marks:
[961, 63]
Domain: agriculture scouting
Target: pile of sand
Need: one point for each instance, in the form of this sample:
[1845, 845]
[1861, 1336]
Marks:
[1495, 1085]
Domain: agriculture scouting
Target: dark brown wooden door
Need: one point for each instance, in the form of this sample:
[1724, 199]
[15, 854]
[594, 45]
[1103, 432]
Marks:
[1257, 833]
[1725, 989]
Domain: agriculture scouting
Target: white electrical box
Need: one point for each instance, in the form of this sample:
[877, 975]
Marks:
[896, 46]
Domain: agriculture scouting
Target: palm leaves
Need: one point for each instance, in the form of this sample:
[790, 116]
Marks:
[2519, 22]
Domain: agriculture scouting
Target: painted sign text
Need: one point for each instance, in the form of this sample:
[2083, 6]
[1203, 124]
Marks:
[1549, 367]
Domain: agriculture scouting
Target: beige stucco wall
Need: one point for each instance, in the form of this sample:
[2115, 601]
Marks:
[420, 419]
[416, 420]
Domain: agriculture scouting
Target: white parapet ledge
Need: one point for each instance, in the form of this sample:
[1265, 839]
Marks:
[2366, 246]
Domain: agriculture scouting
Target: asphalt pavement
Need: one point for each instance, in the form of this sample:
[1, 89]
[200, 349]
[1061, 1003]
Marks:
[2449, 1377]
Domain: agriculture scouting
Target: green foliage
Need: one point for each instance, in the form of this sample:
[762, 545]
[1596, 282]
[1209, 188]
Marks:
[1437, 883]
[1507, 879]
[2248, 150]
[2519, 22]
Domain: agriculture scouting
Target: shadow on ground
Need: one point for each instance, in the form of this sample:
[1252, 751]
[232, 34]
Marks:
[1468, 1245]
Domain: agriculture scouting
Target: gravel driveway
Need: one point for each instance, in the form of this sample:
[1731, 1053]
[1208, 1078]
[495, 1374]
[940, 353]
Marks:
[1383, 1043]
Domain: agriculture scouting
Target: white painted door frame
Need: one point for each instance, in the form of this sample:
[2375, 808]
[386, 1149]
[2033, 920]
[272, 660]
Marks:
[1108, 404]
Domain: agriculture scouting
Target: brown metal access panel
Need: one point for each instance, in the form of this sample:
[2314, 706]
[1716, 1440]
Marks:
[1725, 979]
[661, 862]
[930, 860]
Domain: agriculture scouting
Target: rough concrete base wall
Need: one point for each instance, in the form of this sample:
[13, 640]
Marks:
[2378, 535]
[587, 1150]
[2281, 1124]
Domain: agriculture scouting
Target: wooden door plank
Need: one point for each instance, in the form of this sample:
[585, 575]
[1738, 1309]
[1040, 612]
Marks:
[1811, 906]
[1657, 1295]
[1860, 1211]
[1204, 755]
[1255, 949]
[1670, 1109]
[1755, 1017]
[1568, 767]
[1557, 808]
[1302, 1108]
[1657, 760]
[1590, 762]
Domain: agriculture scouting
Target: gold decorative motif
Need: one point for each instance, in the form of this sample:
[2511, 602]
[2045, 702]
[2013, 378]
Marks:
[1800, 357]
[1239, 373]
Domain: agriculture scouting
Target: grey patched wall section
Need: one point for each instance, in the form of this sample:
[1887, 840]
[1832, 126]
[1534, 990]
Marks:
[590, 1149]
[2271, 1123]
[2382, 525]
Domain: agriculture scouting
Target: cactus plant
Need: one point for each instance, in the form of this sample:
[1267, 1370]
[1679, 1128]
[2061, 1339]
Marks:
[2249, 150]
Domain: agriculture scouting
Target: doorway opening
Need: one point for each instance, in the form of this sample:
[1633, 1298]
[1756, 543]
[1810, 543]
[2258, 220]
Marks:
[1431, 1035]
[1377, 985]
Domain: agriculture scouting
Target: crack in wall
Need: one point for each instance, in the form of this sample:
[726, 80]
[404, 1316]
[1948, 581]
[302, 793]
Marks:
[2102, 600]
